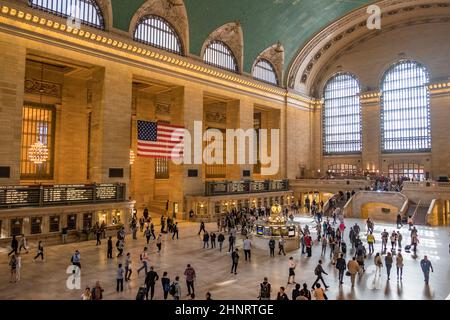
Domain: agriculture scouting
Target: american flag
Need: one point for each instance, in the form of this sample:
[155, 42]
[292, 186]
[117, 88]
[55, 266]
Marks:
[159, 140]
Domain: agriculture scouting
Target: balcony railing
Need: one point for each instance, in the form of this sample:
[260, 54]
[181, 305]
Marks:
[242, 187]
[46, 196]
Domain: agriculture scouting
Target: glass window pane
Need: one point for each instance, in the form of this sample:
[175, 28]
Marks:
[264, 71]
[220, 55]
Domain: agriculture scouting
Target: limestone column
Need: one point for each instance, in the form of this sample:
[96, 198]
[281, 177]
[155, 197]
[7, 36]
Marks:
[110, 124]
[371, 135]
[12, 75]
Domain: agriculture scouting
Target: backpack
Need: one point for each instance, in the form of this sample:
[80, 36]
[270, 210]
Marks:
[172, 289]
[265, 290]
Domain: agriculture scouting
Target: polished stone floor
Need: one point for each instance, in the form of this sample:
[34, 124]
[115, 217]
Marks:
[47, 280]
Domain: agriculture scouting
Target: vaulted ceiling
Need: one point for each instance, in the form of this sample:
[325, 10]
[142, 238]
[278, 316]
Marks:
[264, 22]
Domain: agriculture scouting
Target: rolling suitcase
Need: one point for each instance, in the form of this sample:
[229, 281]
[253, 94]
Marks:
[141, 293]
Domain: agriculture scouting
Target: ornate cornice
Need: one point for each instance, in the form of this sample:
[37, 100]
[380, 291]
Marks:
[45, 88]
[216, 117]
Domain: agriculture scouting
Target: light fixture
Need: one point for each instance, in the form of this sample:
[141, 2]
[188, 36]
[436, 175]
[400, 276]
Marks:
[132, 157]
[38, 153]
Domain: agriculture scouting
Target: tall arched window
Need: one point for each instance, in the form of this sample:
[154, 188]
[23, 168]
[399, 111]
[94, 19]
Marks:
[405, 111]
[342, 115]
[264, 71]
[220, 55]
[87, 11]
[157, 32]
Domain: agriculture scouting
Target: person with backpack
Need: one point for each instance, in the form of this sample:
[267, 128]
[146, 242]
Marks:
[235, 260]
[144, 259]
[341, 265]
[265, 290]
[40, 251]
[110, 248]
[175, 230]
[147, 234]
[319, 293]
[272, 247]
[150, 280]
[175, 289]
[292, 265]
[165, 282]
[220, 239]
[378, 264]
[318, 271]
[128, 270]
[190, 278]
[120, 276]
[281, 243]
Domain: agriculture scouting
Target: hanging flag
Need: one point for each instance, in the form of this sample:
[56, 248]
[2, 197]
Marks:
[159, 140]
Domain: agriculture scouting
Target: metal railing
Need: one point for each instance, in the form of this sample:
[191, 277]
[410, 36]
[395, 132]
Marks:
[46, 196]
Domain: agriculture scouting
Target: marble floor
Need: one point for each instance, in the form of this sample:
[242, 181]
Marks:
[47, 280]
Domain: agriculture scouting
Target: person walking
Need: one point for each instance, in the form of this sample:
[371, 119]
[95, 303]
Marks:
[353, 268]
[319, 293]
[202, 227]
[399, 221]
[150, 281]
[110, 248]
[152, 230]
[120, 245]
[165, 282]
[388, 261]
[247, 248]
[159, 242]
[76, 259]
[23, 244]
[318, 271]
[378, 264]
[235, 260]
[399, 240]
[414, 242]
[177, 287]
[384, 240]
[371, 242]
[175, 230]
[332, 242]
[341, 265]
[393, 240]
[147, 234]
[399, 264]
[230, 243]
[190, 278]
[426, 266]
[292, 265]
[212, 237]
[98, 234]
[128, 270]
[308, 245]
[120, 276]
[281, 295]
[205, 239]
[14, 246]
[220, 239]
[265, 290]
[281, 243]
[324, 246]
[40, 251]
[13, 265]
[272, 247]
[144, 259]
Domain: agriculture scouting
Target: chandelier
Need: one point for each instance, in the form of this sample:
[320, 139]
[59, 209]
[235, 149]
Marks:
[132, 157]
[38, 153]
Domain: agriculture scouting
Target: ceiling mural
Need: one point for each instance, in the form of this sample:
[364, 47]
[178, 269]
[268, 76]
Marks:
[263, 21]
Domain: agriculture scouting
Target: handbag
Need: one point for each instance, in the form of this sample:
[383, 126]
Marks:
[348, 274]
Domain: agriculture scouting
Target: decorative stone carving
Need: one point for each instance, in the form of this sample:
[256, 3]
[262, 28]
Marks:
[35, 86]
[173, 11]
[231, 34]
[162, 108]
[216, 117]
[275, 55]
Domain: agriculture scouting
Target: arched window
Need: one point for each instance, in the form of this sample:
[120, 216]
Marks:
[220, 55]
[264, 71]
[342, 115]
[157, 32]
[87, 11]
[405, 108]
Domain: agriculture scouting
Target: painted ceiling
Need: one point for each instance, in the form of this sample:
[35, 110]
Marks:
[264, 22]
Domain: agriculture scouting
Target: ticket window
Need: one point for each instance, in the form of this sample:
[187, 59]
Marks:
[54, 224]
[71, 222]
[102, 216]
[87, 221]
[36, 225]
[116, 217]
[16, 227]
